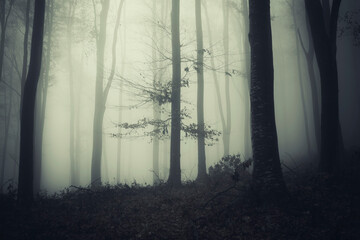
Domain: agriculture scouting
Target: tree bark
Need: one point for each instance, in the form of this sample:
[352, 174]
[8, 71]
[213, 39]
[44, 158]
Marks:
[25, 186]
[175, 171]
[267, 180]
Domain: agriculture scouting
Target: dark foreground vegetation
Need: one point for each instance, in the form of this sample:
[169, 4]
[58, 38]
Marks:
[223, 207]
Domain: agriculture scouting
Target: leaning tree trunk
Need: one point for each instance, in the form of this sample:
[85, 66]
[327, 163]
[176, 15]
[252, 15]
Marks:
[200, 92]
[323, 33]
[175, 172]
[267, 179]
[25, 186]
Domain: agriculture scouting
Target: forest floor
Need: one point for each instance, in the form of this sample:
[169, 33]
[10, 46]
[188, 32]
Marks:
[323, 207]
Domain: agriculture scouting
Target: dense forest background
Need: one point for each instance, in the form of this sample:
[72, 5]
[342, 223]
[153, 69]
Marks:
[135, 78]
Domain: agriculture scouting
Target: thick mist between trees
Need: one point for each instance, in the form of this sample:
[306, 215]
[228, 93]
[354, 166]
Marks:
[136, 120]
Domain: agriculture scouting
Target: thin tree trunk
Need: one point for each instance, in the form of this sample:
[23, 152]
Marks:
[4, 16]
[302, 94]
[309, 55]
[212, 61]
[25, 186]
[156, 106]
[175, 171]
[267, 179]
[200, 92]
[119, 141]
[227, 131]
[7, 118]
[71, 13]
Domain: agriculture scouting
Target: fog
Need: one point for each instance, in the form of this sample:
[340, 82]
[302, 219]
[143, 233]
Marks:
[134, 75]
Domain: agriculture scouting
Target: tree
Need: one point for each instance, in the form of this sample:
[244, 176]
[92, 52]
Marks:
[175, 172]
[309, 55]
[267, 179]
[69, 32]
[323, 25]
[25, 187]
[42, 92]
[156, 105]
[200, 92]
[227, 129]
[100, 92]
[4, 17]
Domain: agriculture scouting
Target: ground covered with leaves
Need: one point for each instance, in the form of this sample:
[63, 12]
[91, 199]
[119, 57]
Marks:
[222, 207]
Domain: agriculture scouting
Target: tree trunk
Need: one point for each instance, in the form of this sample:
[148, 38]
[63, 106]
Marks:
[43, 86]
[309, 55]
[325, 49]
[247, 127]
[227, 131]
[212, 61]
[301, 84]
[119, 141]
[70, 21]
[175, 171]
[25, 44]
[267, 179]
[99, 97]
[7, 118]
[156, 106]
[200, 92]
[25, 186]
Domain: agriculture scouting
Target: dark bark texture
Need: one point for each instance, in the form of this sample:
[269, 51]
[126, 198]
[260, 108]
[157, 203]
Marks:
[267, 180]
[25, 186]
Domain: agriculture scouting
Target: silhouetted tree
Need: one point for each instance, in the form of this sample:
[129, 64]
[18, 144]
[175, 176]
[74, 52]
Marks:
[25, 187]
[175, 171]
[267, 180]
[323, 25]
[200, 92]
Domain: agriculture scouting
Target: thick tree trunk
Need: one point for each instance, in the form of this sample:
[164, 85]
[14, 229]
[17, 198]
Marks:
[42, 97]
[325, 50]
[25, 186]
[99, 97]
[175, 171]
[200, 92]
[25, 44]
[267, 178]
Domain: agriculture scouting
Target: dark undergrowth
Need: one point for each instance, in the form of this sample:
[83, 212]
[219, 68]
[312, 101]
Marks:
[222, 207]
